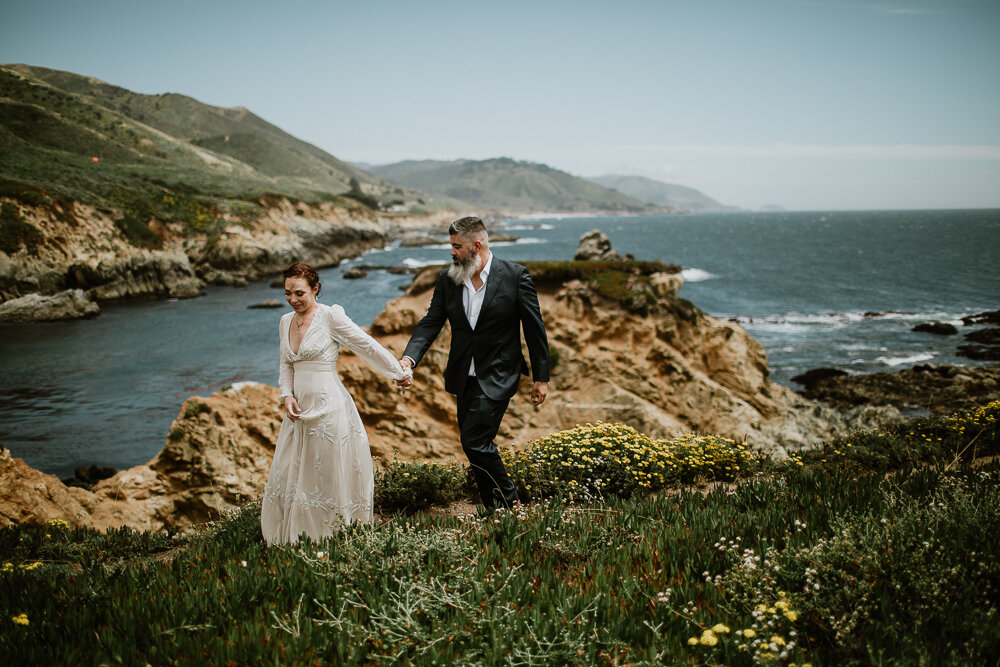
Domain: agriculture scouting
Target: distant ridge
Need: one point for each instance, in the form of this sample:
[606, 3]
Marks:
[54, 123]
[509, 185]
[658, 193]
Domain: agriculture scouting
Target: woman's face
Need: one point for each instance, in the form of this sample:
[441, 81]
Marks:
[299, 295]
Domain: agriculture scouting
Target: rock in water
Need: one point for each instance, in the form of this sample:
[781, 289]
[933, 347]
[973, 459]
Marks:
[355, 273]
[938, 328]
[979, 352]
[595, 245]
[987, 336]
[86, 477]
[989, 317]
[269, 303]
[810, 378]
[68, 305]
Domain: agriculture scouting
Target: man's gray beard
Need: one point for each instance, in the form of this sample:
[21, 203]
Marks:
[462, 271]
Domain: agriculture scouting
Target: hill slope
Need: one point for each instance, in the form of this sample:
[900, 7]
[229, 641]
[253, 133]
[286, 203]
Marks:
[53, 123]
[117, 194]
[658, 193]
[509, 185]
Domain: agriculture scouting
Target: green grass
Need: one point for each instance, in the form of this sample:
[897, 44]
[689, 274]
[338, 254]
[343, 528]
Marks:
[821, 563]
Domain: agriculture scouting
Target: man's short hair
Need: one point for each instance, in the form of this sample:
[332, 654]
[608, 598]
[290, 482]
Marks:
[469, 229]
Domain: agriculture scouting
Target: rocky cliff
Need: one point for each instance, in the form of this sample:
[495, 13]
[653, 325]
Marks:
[218, 453]
[625, 348]
[80, 247]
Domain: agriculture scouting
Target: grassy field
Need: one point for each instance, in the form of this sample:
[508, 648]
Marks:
[881, 547]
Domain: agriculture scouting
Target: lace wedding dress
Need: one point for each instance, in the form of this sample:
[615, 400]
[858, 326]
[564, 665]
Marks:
[321, 476]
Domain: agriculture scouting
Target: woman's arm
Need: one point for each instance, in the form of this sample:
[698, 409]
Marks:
[354, 337]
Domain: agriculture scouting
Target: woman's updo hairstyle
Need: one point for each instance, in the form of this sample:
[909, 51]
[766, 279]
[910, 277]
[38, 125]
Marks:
[302, 270]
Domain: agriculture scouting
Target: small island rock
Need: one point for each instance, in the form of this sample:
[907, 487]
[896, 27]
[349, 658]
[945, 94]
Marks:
[267, 303]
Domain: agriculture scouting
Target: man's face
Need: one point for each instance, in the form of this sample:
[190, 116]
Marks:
[463, 252]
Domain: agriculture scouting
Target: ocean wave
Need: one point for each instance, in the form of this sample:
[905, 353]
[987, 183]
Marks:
[526, 228]
[899, 361]
[838, 320]
[412, 263]
[527, 240]
[696, 275]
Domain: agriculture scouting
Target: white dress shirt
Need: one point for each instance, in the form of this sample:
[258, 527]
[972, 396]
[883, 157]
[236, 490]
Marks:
[472, 299]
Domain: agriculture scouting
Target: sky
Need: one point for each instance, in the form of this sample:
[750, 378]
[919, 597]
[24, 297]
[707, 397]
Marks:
[804, 104]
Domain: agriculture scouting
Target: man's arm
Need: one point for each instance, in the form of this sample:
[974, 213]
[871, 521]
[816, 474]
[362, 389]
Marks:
[534, 329]
[428, 328]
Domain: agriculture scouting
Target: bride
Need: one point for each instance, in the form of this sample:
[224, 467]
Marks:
[321, 476]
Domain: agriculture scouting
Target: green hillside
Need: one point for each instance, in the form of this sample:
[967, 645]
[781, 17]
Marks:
[508, 185]
[659, 193]
[54, 124]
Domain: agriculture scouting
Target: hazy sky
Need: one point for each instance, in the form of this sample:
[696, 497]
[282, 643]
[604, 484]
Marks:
[808, 104]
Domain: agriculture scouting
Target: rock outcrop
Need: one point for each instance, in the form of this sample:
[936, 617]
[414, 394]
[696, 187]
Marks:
[218, 453]
[938, 389]
[68, 305]
[595, 245]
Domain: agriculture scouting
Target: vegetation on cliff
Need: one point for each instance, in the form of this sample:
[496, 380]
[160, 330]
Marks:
[817, 559]
[68, 138]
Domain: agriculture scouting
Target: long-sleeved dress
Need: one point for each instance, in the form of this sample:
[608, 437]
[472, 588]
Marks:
[321, 476]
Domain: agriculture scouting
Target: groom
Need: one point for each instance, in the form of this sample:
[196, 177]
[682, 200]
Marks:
[487, 300]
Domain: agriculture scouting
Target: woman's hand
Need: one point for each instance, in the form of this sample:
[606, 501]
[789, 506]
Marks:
[292, 407]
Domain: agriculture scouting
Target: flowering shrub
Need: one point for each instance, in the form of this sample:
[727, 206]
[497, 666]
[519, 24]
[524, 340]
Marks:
[598, 460]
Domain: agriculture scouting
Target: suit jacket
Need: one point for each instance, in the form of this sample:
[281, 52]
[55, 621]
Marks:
[509, 304]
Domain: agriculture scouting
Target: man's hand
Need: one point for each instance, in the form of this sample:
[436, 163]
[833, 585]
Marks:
[539, 391]
[407, 364]
[292, 407]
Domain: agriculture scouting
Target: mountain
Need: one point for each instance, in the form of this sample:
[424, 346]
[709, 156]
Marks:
[659, 193]
[83, 138]
[508, 185]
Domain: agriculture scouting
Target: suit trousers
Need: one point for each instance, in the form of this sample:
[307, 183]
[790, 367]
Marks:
[479, 420]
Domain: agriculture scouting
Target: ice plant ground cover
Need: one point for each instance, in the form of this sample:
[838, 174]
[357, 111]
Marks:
[861, 558]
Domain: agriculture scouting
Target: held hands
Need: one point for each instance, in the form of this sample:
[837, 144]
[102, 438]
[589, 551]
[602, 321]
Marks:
[292, 407]
[539, 391]
[407, 365]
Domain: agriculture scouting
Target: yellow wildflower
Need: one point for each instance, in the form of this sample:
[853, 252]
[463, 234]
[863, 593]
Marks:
[749, 633]
[708, 638]
[719, 628]
[20, 619]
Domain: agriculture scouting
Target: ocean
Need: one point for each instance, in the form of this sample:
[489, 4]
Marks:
[830, 289]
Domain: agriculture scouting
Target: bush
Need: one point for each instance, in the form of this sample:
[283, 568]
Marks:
[414, 486]
[952, 439]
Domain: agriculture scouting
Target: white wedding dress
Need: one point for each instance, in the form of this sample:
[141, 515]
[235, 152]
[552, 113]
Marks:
[321, 476]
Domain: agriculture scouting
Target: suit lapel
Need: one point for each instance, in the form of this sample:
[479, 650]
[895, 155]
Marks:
[492, 285]
[456, 302]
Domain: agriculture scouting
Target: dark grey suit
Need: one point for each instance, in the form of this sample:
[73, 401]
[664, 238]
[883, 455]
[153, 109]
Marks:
[510, 304]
